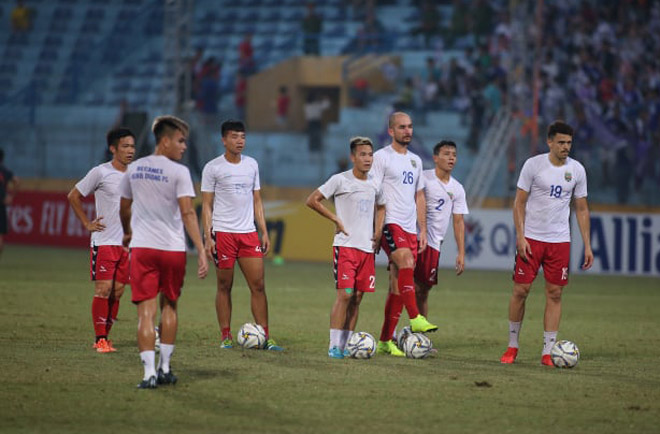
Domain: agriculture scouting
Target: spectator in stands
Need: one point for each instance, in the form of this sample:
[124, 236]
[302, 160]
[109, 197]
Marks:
[359, 92]
[240, 95]
[371, 36]
[429, 22]
[209, 94]
[406, 98]
[21, 17]
[314, 109]
[460, 22]
[246, 56]
[312, 25]
[283, 102]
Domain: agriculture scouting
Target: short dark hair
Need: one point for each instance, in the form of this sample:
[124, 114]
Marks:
[441, 144]
[359, 141]
[116, 134]
[232, 125]
[559, 127]
[167, 125]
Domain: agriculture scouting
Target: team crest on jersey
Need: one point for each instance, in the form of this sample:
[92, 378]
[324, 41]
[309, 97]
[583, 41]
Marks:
[568, 177]
[451, 195]
[414, 164]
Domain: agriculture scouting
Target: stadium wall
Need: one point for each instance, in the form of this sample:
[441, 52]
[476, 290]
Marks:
[623, 243]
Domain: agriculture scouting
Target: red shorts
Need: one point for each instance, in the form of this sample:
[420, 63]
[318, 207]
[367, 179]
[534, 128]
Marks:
[554, 257]
[156, 271]
[426, 268]
[354, 268]
[394, 237]
[108, 263]
[230, 245]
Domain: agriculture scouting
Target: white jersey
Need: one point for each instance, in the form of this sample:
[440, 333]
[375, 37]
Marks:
[354, 203]
[550, 189]
[103, 180]
[401, 177]
[233, 186]
[155, 183]
[442, 201]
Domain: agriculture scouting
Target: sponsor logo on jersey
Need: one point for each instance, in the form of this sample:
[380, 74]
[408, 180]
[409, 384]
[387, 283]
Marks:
[102, 268]
[344, 277]
[568, 177]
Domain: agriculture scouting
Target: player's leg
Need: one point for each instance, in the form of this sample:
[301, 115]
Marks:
[405, 264]
[120, 279]
[102, 315]
[172, 272]
[169, 323]
[223, 306]
[393, 308]
[146, 340]
[422, 297]
[524, 273]
[339, 321]
[551, 320]
[516, 315]
[555, 271]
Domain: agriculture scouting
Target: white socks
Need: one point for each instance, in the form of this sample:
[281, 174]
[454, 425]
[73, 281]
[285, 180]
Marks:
[338, 338]
[335, 338]
[166, 351]
[514, 333]
[149, 362]
[549, 339]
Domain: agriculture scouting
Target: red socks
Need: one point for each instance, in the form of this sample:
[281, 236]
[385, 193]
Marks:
[393, 308]
[100, 312]
[406, 283]
[113, 308]
[266, 331]
[226, 333]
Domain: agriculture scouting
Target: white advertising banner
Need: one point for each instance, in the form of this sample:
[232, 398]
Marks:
[622, 243]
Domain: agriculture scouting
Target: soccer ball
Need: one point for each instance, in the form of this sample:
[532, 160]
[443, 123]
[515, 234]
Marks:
[417, 346]
[402, 335]
[361, 345]
[251, 336]
[565, 354]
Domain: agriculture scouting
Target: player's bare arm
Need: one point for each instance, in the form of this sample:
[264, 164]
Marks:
[378, 227]
[314, 202]
[75, 200]
[260, 219]
[420, 202]
[207, 223]
[189, 218]
[519, 221]
[582, 215]
[459, 235]
[125, 217]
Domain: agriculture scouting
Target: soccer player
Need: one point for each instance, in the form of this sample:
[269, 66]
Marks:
[8, 187]
[399, 171]
[156, 205]
[355, 196]
[541, 211]
[231, 203]
[108, 258]
[445, 199]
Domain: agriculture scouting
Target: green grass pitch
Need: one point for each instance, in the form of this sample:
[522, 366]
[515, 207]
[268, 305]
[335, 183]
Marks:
[52, 381]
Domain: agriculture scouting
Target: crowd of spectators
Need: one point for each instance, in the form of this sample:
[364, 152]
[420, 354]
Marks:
[599, 68]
